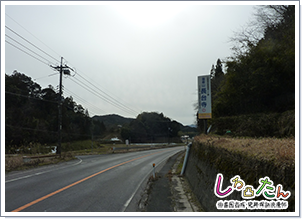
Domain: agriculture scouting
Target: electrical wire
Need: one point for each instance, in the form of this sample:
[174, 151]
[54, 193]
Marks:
[27, 48]
[31, 34]
[46, 76]
[25, 96]
[90, 111]
[28, 97]
[116, 101]
[105, 94]
[93, 91]
[26, 52]
[46, 131]
[100, 93]
[83, 100]
[96, 93]
[31, 43]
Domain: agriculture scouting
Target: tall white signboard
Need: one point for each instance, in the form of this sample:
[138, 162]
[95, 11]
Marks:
[204, 92]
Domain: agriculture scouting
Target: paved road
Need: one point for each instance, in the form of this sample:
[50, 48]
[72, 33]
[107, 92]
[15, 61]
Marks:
[99, 183]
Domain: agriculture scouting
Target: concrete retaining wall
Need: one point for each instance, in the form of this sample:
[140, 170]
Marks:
[206, 161]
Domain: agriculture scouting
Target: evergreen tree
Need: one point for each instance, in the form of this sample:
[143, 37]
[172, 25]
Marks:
[262, 79]
[217, 77]
[31, 114]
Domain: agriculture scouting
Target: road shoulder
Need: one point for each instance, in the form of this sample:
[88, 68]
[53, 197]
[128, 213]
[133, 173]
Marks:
[169, 192]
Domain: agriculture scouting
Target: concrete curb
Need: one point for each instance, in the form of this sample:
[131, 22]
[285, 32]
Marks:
[183, 197]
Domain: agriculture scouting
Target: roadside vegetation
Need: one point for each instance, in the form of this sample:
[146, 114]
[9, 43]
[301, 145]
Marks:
[278, 151]
[40, 155]
[253, 90]
[35, 154]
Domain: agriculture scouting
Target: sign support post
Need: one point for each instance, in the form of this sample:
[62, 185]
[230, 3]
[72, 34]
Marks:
[205, 126]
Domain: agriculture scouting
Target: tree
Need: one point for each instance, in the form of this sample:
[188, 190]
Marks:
[218, 69]
[217, 77]
[151, 127]
[22, 97]
[31, 114]
[262, 79]
[267, 18]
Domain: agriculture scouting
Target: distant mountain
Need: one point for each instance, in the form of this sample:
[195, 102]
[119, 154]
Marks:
[113, 120]
[188, 129]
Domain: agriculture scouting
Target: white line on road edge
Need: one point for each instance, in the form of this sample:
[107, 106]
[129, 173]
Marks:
[39, 173]
[139, 185]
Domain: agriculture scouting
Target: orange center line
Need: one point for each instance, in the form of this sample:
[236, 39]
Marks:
[75, 183]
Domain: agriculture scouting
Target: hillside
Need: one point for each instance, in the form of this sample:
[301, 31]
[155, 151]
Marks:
[129, 126]
[112, 121]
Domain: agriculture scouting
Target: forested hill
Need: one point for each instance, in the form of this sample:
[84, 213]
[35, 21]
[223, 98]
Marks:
[253, 90]
[260, 76]
[31, 116]
[111, 121]
[146, 127]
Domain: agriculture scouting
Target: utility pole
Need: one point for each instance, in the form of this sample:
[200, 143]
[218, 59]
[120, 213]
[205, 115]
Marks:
[60, 111]
[62, 70]
[92, 132]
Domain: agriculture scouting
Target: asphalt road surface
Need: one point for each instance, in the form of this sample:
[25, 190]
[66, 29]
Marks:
[96, 183]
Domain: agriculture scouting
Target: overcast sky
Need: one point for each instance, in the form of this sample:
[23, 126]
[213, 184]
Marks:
[145, 55]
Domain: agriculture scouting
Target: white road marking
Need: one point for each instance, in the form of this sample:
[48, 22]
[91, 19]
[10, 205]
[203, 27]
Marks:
[139, 185]
[39, 173]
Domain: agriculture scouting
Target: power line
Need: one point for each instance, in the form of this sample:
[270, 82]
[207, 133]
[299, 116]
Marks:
[30, 43]
[116, 101]
[31, 34]
[27, 48]
[39, 99]
[56, 102]
[106, 97]
[25, 96]
[47, 131]
[96, 93]
[26, 53]
[83, 100]
[46, 76]
[103, 95]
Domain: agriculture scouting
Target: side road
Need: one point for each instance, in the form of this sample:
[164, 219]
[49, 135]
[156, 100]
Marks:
[169, 192]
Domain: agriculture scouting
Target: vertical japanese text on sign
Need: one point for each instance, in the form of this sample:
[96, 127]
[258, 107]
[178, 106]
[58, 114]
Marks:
[204, 93]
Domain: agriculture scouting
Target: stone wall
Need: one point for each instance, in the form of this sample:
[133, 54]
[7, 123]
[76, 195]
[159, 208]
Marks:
[206, 161]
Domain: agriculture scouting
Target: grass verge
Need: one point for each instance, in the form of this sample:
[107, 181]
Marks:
[270, 149]
[69, 151]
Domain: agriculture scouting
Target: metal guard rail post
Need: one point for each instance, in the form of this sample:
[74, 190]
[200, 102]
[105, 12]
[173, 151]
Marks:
[186, 158]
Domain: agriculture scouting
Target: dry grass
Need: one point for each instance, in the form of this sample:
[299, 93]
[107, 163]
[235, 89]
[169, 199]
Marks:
[13, 162]
[16, 162]
[277, 150]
